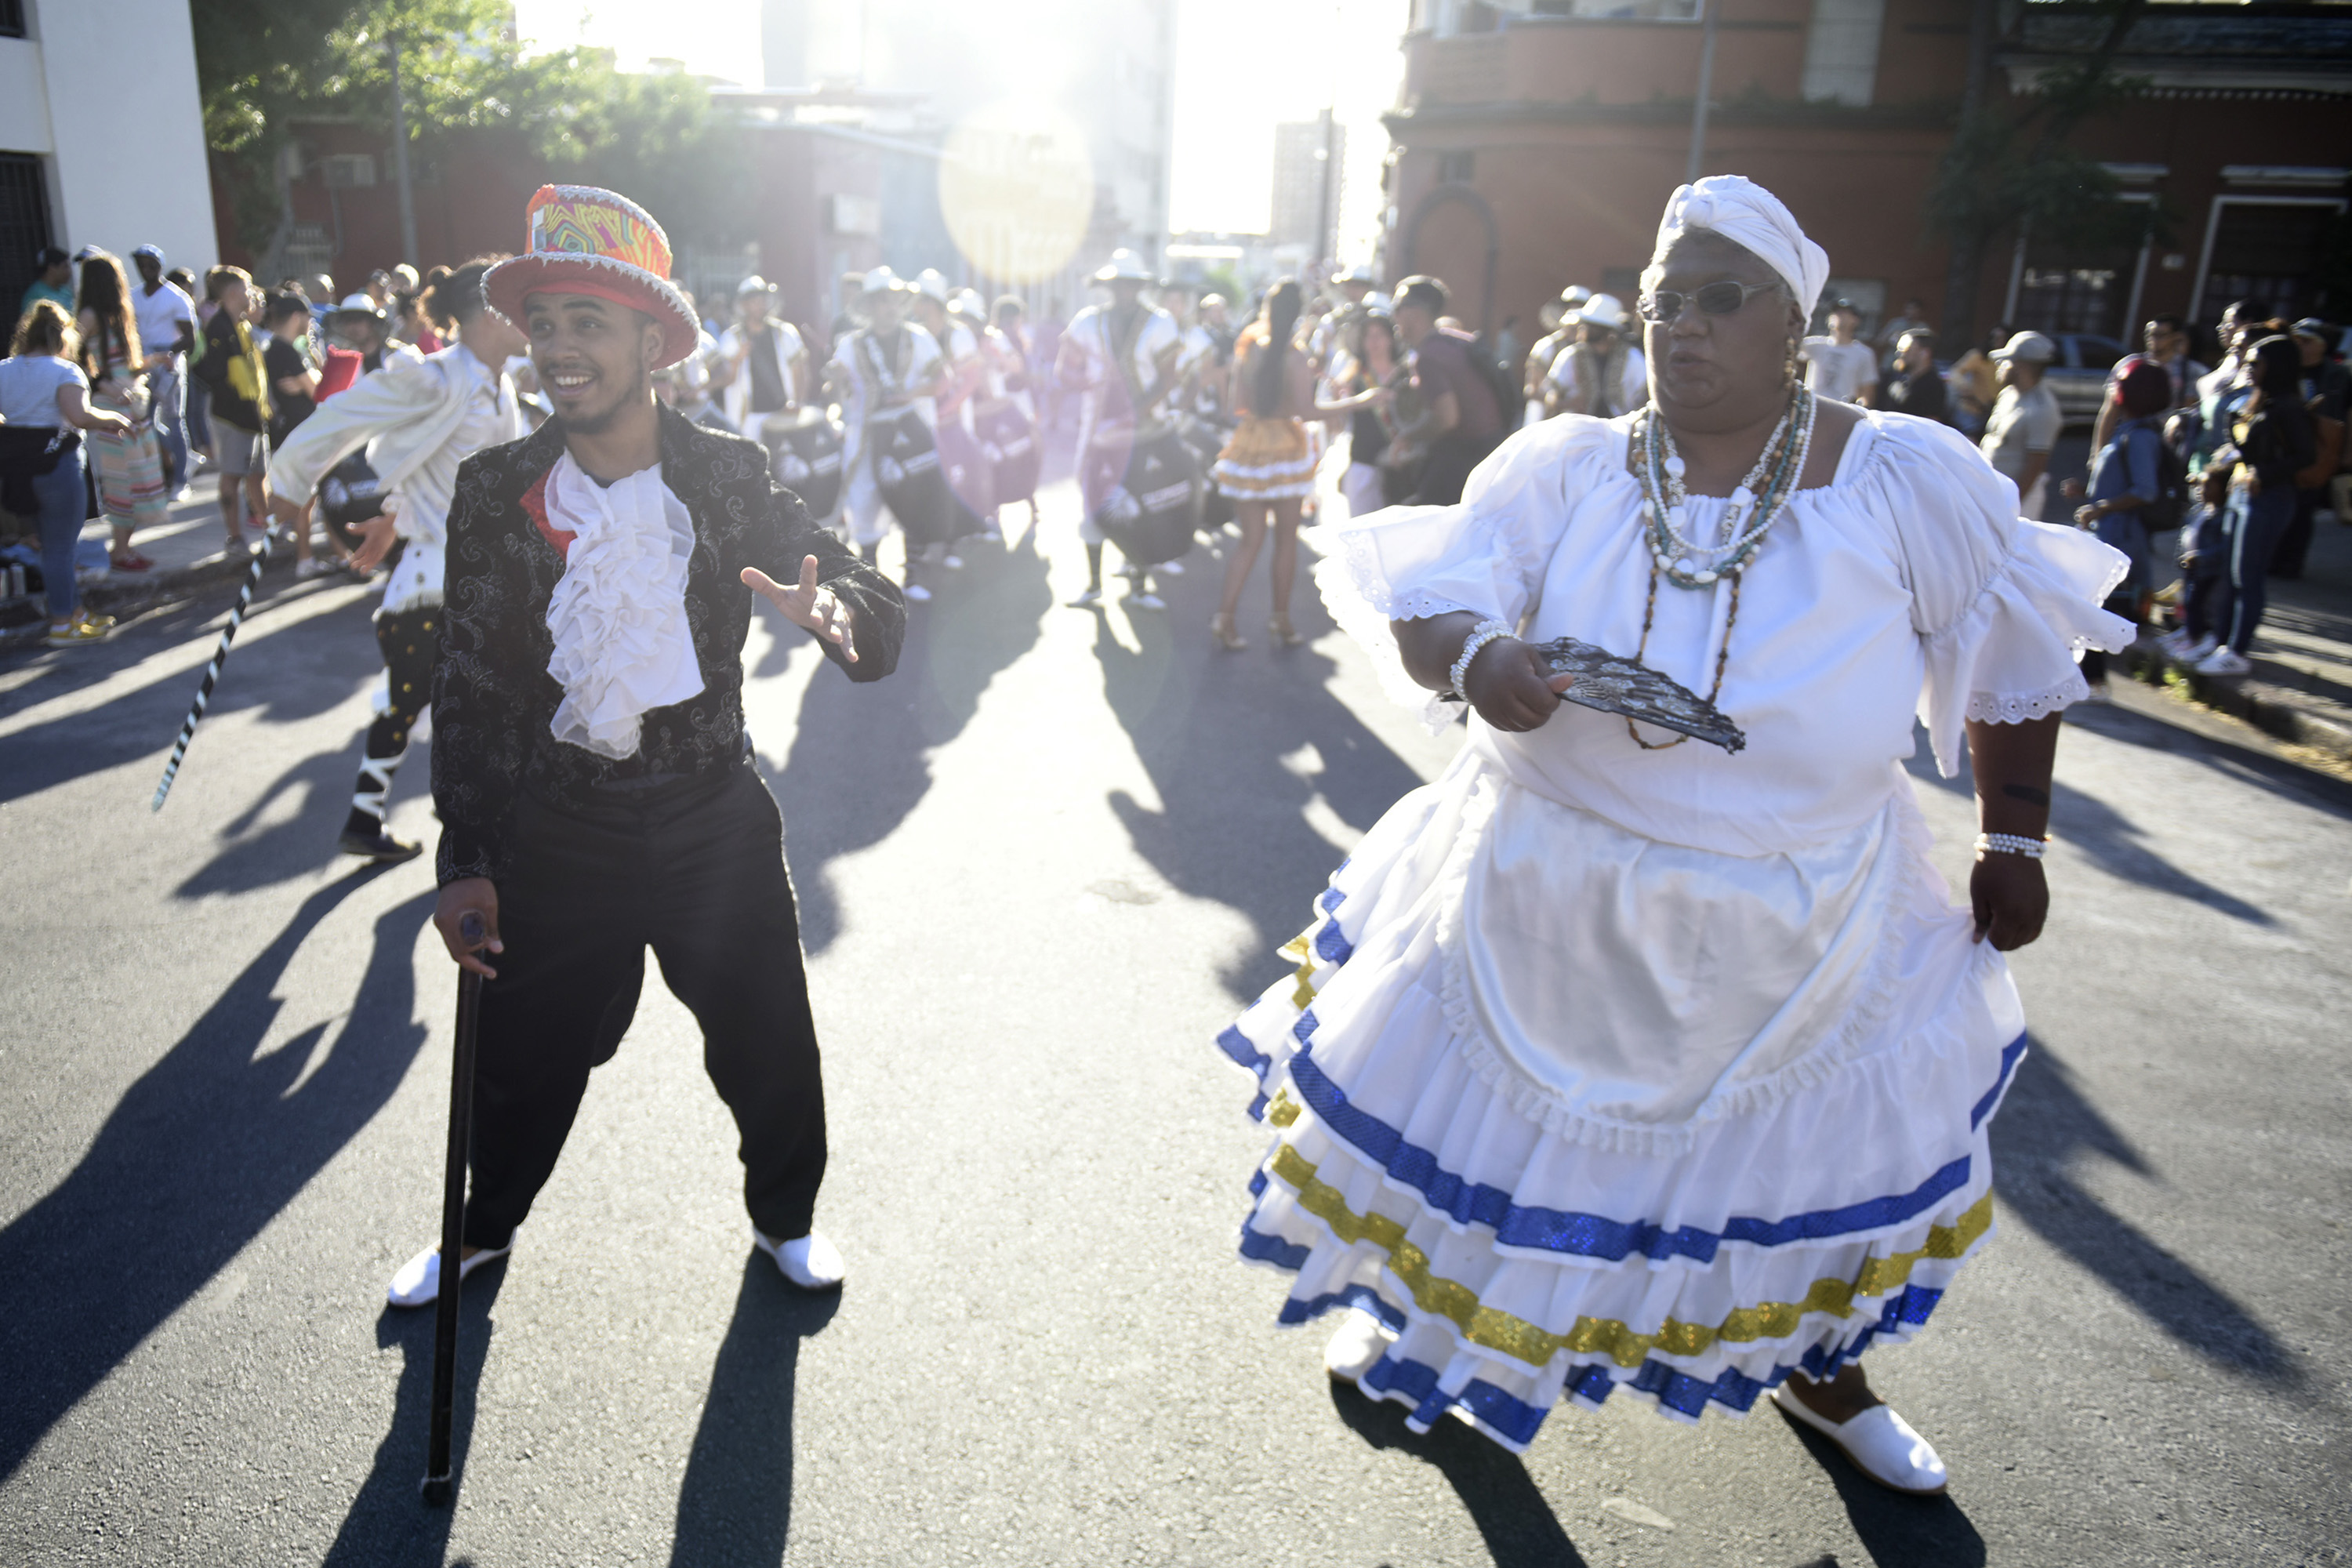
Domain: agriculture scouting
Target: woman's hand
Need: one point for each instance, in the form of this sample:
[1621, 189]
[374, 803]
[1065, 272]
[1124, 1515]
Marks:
[2071, 488]
[804, 604]
[1511, 687]
[2011, 897]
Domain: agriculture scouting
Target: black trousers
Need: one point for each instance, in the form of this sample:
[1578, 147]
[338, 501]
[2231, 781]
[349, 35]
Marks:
[408, 640]
[699, 877]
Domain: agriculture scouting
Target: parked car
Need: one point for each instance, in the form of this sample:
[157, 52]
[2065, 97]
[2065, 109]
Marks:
[2079, 377]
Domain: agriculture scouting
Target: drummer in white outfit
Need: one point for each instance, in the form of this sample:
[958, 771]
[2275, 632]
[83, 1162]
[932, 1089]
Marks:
[1614, 1062]
[888, 364]
[765, 362]
[1123, 355]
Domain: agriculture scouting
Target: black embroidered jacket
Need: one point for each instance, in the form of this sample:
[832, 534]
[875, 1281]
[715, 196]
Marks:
[492, 696]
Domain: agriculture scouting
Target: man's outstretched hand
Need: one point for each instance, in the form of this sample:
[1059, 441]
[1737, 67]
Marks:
[806, 604]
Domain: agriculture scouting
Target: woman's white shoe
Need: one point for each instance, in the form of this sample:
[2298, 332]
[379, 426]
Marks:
[809, 1262]
[418, 1283]
[1357, 1347]
[1881, 1444]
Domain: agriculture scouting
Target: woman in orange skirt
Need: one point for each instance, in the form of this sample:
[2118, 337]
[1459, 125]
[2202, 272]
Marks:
[1268, 468]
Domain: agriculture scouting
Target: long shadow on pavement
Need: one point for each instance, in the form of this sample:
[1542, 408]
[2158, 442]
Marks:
[2046, 1127]
[202, 1153]
[735, 1502]
[2112, 841]
[1504, 1501]
[285, 848]
[1897, 1532]
[1239, 746]
[860, 761]
[389, 1522]
[142, 722]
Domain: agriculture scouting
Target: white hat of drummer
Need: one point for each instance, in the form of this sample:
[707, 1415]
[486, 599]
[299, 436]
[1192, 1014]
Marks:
[1124, 266]
[1748, 216]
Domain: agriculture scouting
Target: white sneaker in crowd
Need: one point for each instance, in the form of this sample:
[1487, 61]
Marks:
[2190, 653]
[2223, 662]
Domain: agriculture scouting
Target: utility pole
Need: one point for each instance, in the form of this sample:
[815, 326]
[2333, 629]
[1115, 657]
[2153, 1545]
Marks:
[1962, 278]
[1708, 11]
[1323, 202]
[400, 159]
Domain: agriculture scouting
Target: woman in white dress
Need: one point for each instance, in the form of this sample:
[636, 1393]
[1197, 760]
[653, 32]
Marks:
[1614, 1062]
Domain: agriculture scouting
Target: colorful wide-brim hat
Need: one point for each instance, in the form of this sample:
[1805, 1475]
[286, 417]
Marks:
[585, 240]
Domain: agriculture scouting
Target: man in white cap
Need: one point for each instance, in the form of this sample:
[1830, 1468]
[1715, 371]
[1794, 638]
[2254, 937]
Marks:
[1559, 321]
[2025, 419]
[881, 371]
[762, 361]
[1600, 373]
[1838, 364]
[1123, 355]
[167, 324]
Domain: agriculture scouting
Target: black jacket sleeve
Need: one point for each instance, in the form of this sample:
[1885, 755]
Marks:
[480, 707]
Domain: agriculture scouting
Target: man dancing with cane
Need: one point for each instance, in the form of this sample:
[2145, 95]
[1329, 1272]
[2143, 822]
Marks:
[590, 761]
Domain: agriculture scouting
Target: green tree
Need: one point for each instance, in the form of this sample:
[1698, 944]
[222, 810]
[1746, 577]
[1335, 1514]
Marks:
[2012, 166]
[469, 88]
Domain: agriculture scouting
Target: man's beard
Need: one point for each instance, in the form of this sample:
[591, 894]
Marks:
[598, 423]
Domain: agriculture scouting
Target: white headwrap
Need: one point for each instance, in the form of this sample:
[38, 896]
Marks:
[1745, 213]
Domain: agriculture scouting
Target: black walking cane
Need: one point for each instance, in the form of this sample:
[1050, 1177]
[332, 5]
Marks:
[211, 670]
[473, 933]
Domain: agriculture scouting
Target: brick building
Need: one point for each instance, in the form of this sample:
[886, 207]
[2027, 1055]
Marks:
[1535, 145]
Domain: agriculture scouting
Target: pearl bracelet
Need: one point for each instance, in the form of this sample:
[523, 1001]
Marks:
[2010, 844]
[1480, 636]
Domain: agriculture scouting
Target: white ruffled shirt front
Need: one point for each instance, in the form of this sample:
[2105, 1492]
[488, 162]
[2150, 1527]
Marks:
[1648, 938]
[623, 644]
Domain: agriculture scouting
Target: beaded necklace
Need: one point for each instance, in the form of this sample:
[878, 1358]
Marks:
[1688, 564]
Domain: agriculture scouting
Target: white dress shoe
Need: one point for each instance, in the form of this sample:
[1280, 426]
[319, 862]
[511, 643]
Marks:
[1359, 1343]
[1881, 1444]
[810, 1261]
[418, 1283]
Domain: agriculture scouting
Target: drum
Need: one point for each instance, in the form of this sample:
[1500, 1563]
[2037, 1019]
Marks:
[1151, 512]
[969, 474]
[1204, 438]
[1010, 439]
[907, 470]
[804, 453]
[349, 495]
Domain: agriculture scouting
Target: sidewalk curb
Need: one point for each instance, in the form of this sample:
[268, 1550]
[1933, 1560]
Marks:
[2303, 718]
[112, 594]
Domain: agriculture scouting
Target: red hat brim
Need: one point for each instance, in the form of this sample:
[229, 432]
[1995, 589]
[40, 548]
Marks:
[506, 286]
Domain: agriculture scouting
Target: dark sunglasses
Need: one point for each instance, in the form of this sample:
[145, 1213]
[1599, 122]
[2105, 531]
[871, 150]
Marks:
[1715, 299]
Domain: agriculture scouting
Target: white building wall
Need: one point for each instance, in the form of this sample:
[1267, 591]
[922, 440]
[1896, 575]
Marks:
[125, 130]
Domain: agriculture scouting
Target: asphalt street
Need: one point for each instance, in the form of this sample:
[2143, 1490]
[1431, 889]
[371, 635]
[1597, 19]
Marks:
[1039, 867]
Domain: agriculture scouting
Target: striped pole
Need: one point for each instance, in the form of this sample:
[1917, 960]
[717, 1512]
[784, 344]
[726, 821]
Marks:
[211, 670]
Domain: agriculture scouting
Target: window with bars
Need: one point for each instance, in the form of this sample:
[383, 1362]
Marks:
[12, 18]
[24, 226]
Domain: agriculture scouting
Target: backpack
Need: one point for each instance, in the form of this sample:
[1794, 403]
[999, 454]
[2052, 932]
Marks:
[1509, 395]
[2171, 500]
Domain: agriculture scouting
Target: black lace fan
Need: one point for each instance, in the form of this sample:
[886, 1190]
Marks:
[1614, 685]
